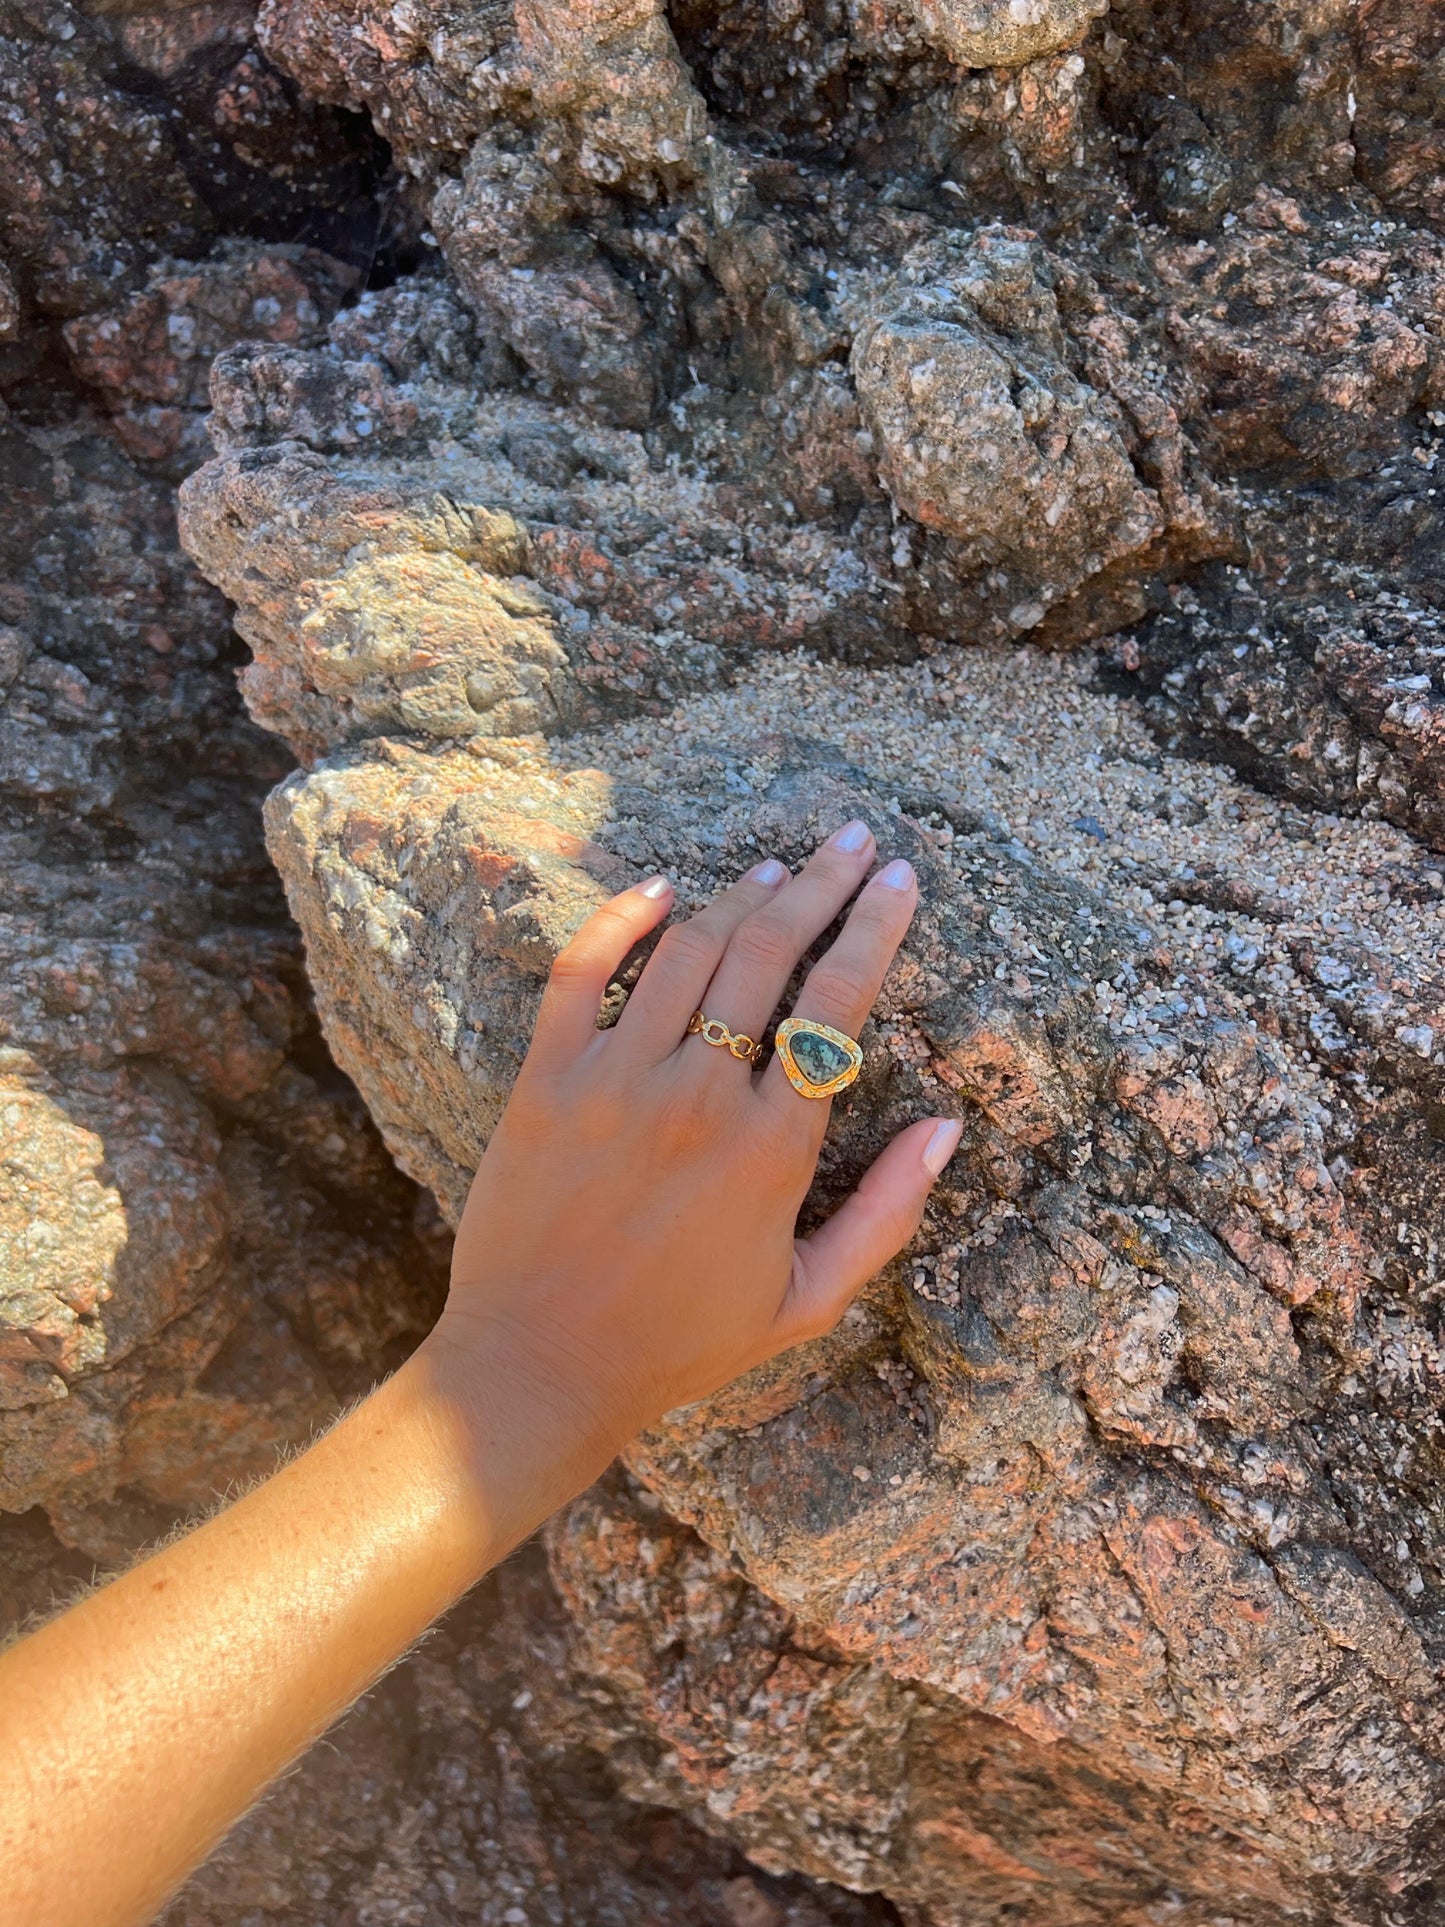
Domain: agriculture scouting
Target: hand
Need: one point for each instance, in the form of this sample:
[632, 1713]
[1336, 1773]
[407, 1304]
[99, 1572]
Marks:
[628, 1244]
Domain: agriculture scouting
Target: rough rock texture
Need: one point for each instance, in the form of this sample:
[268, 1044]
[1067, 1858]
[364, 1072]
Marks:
[467, 1786]
[203, 1247]
[1092, 1571]
[91, 184]
[1337, 704]
[1082, 1476]
[724, 370]
[130, 134]
[505, 1813]
[150, 355]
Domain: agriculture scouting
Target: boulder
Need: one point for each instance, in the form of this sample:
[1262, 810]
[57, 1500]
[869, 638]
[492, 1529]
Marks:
[1074, 1468]
[150, 354]
[1004, 33]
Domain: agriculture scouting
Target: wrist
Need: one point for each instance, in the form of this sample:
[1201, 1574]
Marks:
[525, 1429]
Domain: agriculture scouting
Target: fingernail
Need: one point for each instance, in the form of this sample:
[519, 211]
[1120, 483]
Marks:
[655, 887]
[771, 873]
[852, 836]
[897, 876]
[941, 1145]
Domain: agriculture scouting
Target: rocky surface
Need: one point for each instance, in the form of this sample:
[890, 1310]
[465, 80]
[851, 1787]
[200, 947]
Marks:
[1105, 1497]
[149, 355]
[723, 372]
[204, 1247]
[1085, 1468]
[468, 1784]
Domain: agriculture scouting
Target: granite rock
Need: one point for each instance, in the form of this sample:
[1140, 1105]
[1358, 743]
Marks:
[1334, 704]
[150, 355]
[1072, 1469]
[204, 1249]
[1004, 33]
[1091, 1570]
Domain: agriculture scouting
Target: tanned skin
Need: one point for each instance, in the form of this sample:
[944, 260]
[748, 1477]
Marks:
[628, 1247]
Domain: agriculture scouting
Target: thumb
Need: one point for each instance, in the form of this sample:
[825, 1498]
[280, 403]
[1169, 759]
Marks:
[832, 1267]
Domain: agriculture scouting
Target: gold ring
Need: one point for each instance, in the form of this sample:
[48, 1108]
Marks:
[721, 1038]
[819, 1060]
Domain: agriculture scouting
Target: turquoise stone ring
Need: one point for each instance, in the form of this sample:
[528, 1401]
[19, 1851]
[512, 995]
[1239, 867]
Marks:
[819, 1061]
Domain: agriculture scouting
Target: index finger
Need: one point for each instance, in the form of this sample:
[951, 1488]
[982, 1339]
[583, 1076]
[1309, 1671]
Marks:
[843, 985]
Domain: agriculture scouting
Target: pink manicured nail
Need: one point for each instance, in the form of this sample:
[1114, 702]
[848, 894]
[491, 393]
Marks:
[771, 873]
[941, 1145]
[655, 887]
[897, 876]
[852, 836]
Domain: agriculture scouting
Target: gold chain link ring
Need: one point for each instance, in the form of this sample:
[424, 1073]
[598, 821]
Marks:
[721, 1038]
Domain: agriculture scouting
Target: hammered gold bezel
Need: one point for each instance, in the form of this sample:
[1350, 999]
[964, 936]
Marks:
[792, 1027]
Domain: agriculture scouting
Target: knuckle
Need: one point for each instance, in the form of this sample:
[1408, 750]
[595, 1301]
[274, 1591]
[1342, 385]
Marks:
[838, 988]
[687, 947]
[684, 1125]
[600, 1117]
[571, 965]
[777, 1165]
[901, 1225]
[821, 1324]
[764, 944]
[877, 916]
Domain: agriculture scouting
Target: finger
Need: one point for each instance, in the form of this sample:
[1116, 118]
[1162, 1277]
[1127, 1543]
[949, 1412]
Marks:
[678, 972]
[874, 1225]
[581, 972]
[842, 987]
[766, 946]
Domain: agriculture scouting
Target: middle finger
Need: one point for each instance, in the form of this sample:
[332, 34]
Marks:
[763, 951]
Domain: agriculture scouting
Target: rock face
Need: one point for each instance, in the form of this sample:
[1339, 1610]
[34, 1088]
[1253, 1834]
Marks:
[150, 354]
[505, 1810]
[726, 371]
[203, 1249]
[1091, 1571]
[1336, 704]
[134, 131]
[1078, 1470]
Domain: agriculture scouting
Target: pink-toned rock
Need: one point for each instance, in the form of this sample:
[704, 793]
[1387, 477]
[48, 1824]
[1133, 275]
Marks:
[1003, 33]
[150, 355]
[1090, 1572]
[202, 1250]
[1048, 1476]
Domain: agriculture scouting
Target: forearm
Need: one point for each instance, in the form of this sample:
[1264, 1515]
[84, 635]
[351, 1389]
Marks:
[135, 1729]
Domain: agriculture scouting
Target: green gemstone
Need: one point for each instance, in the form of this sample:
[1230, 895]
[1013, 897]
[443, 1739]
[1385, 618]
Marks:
[818, 1058]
